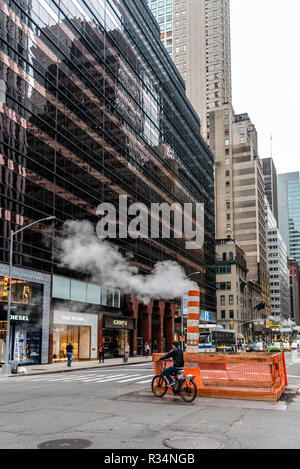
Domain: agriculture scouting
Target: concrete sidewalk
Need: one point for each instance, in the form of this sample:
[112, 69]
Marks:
[78, 365]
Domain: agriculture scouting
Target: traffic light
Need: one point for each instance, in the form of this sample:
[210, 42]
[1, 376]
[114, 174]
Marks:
[232, 324]
[6, 287]
[251, 325]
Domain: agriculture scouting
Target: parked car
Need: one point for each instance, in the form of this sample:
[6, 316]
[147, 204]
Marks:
[295, 345]
[286, 346]
[275, 347]
[260, 347]
[251, 347]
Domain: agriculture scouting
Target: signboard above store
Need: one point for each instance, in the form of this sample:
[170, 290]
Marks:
[111, 322]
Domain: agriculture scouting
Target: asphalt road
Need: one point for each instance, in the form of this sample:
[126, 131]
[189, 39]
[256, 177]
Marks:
[113, 408]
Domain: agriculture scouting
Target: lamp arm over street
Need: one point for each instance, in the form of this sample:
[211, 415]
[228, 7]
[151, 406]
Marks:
[33, 223]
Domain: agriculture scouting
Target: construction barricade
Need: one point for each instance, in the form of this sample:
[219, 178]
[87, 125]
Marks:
[234, 376]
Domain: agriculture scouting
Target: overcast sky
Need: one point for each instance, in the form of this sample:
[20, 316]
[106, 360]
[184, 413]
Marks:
[265, 37]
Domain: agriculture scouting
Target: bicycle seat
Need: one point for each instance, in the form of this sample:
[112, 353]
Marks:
[180, 372]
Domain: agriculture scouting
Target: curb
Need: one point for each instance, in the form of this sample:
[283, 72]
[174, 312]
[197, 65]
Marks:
[71, 370]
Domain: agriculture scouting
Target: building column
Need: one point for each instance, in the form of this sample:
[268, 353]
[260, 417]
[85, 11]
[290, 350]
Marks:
[146, 322]
[50, 358]
[170, 310]
[131, 309]
[158, 326]
[100, 329]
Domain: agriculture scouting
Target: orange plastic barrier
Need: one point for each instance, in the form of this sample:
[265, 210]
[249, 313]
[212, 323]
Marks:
[235, 376]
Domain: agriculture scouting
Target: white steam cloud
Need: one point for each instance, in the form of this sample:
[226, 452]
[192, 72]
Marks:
[81, 250]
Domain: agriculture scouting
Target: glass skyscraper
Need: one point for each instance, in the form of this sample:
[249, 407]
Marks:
[289, 212]
[91, 108]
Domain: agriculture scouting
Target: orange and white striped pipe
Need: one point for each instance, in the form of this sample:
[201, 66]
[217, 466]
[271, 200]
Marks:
[193, 318]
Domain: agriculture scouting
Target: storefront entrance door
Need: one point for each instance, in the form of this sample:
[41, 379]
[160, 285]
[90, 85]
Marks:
[115, 341]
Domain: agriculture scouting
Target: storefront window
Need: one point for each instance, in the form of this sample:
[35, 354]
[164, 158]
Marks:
[70, 289]
[22, 292]
[109, 297]
[115, 342]
[104, 297]
[27, 344]
[116, 299]
[79, 336]
[117, 333]
[93, 294]
[61, 287]
[25, 320]
[78, 290]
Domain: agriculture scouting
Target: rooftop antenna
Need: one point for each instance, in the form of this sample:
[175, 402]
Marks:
[271, 145]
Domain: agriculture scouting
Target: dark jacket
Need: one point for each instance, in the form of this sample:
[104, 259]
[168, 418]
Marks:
[69, 348]
[177, 355]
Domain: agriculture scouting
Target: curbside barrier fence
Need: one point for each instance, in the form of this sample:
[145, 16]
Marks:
[235, 376]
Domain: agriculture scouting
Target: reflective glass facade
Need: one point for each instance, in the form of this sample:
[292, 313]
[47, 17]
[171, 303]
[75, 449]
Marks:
[289, 212]
[92, 107]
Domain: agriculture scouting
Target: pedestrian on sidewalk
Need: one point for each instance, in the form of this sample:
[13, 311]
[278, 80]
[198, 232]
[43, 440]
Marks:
[69, 350]
[101, 353]
[155, 347]
[127, 351]
[147, 350]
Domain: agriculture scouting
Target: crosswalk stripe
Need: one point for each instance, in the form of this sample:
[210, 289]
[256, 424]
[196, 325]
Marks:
[65, 378]
[131, 379]
[111, 379]
[99, 377]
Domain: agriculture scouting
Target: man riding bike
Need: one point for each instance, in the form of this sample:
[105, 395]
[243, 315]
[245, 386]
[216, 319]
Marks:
[178, 362]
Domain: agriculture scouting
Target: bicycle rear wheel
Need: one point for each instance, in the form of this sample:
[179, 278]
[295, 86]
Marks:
[189, 391]
[159, 386]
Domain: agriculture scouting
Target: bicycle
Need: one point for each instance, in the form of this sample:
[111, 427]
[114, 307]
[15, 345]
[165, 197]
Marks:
[184, 386]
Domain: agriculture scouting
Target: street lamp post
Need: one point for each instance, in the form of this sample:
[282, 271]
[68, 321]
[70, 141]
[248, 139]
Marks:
[6, 368]
[182, 325]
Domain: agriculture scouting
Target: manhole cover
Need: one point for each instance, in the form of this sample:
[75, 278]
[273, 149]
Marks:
[65, 444]
[193, 443]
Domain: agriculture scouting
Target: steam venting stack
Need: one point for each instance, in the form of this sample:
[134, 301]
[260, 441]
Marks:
[193, 318]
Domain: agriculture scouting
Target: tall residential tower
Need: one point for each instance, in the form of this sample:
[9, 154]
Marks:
[196, 34]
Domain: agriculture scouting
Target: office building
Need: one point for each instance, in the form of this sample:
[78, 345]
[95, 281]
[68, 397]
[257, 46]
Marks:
[239, 191]
[294, 270]
[278, 268]
[92, 107]
[232, 306]
[289, 212]
[270, 179]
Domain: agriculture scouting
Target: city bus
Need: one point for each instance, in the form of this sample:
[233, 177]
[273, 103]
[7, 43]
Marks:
[217, 340]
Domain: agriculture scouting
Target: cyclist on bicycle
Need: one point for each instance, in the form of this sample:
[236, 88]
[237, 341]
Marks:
[178, 362]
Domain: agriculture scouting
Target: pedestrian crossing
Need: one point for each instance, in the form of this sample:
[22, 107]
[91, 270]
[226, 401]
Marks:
[95, 377]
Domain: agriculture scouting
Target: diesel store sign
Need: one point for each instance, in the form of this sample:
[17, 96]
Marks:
[17, 314]
[118, 323]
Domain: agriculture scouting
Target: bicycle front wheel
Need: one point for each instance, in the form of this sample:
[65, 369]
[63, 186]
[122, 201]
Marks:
[159, 386]
[189, 391]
